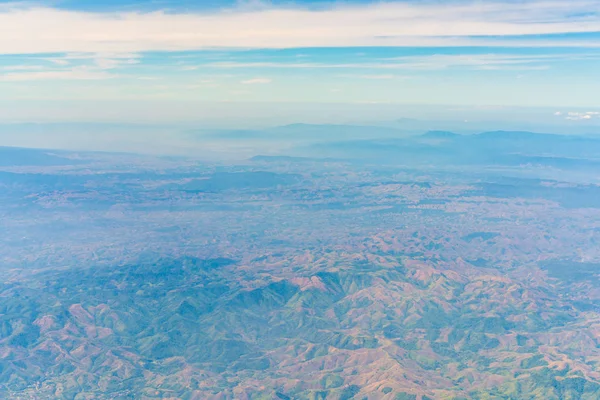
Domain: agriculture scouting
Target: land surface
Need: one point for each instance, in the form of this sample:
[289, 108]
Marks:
[434, 267]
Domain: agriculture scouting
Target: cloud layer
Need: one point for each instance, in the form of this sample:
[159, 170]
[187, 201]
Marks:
[256, 81]
[491, 61]
[579, 116]
[48, 30]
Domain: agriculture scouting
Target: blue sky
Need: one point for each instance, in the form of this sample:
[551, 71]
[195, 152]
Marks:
[114, 55]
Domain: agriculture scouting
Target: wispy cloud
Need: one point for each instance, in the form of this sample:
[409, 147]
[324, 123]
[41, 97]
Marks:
[112, 63]
[419, 63]
[376, 77]
[382, 76]
[70, 66]
[580, 116]
[78, 73]
[256, 81]
[21, 68]
[477, 61]
[203, 84]
[34, 29]
[58, 61]
[101, 60]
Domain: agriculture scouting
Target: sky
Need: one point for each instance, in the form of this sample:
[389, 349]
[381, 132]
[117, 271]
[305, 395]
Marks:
[290, 61]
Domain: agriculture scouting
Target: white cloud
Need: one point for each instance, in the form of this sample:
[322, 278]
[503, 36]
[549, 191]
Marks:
[78, 73]
[375, 76]
[581, 116]
[33, 29]
[256, 81]
[21, 68]
[384, 76]
[483, 62]
[260, 64]
[111, 63]
[58, 61]
[203, 84]
[71, 66]
[101, 60]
